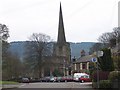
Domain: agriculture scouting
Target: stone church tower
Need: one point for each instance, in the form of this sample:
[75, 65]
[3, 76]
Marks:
[62, 48]
[60, 60]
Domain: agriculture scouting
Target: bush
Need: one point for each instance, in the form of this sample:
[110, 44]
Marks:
[114, 75]
[105, 84]
[94, 85]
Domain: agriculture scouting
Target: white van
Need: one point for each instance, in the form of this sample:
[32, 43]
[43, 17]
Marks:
[78, 75]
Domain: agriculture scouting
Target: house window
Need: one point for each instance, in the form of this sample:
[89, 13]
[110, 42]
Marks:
[75, 67]
[83, 66]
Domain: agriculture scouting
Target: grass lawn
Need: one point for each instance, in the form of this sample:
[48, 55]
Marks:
[8, 82]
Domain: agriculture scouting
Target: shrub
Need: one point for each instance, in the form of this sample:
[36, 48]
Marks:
[114, 75]
[105, 84]
[94, 84]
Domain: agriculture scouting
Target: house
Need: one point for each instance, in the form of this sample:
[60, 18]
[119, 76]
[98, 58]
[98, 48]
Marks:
[82, 64]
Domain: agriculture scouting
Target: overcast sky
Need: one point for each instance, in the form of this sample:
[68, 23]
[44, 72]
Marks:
[84, 20]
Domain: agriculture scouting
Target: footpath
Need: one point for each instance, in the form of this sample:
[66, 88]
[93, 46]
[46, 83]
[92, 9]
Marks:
[9, 86]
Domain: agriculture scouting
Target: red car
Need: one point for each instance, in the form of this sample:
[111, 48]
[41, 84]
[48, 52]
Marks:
[85, 78]
[67, 78]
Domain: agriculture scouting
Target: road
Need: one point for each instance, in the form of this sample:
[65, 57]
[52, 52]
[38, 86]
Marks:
[55, 85]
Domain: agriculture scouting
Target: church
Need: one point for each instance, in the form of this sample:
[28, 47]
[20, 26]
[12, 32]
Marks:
[59, 62]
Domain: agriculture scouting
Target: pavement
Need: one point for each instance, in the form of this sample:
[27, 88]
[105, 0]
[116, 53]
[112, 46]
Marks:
[48, 85]
[8, 86]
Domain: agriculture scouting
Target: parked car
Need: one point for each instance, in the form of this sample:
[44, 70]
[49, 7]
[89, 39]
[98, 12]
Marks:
[69, 78]
[52, 79]
[85, 78]
[45, 79]
[25, 80]
[64, 79]
[35, 80]
[58, 79]
[77, 76]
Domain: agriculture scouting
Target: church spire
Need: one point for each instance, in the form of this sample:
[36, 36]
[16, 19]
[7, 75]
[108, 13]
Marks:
[61, 33]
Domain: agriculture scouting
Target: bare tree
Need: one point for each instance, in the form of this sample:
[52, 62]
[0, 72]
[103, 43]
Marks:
[97, 46]
[10, 63]
[4, 33]
[3, 43]
[36, 49]
[116, 33]
[111, 37]
[105, 37]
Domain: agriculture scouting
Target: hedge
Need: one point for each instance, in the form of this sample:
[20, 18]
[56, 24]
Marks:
[105, 84]
[114, 75]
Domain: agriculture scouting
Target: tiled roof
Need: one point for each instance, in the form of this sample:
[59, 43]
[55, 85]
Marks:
[87, 58]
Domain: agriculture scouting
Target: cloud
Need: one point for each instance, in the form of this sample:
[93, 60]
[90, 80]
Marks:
[84, 20]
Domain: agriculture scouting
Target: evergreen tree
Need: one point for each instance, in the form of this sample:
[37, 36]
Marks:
[106, 62]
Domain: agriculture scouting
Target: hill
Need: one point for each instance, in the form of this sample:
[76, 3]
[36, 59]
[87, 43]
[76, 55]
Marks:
[77, 47]
[18, 48]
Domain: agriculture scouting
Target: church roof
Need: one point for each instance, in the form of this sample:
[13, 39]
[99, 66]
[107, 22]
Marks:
[61, 33]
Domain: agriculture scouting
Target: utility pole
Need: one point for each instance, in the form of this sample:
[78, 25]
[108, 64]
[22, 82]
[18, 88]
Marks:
[98, 54]
[96, 60]
[97, 74]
